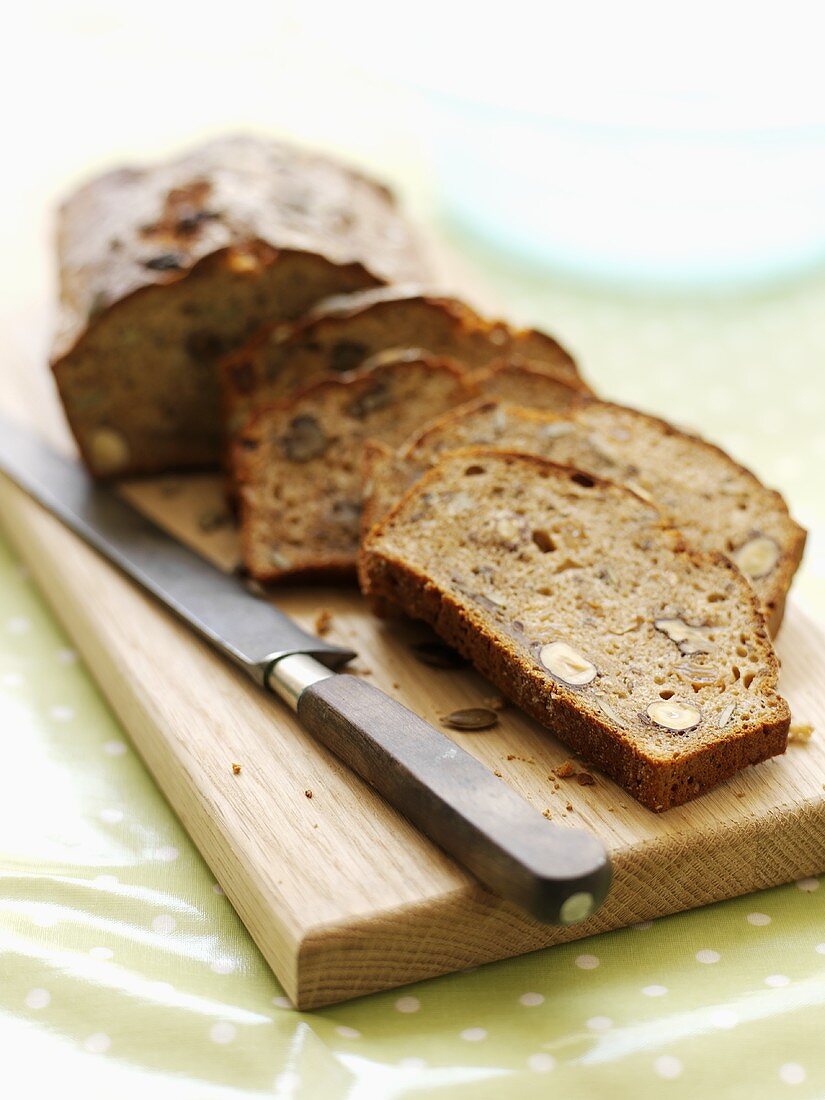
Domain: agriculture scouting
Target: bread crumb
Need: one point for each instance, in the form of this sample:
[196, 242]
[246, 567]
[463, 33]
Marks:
[569, 807]
[236, 769]
[396, 686]
[565, 770]
[585, 779]
[800, 732]
[740, 794]
[498, 774]
[308, 793]
[547, 814]
[323, 622]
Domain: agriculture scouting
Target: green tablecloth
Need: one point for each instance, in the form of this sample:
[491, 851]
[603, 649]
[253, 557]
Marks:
[124, 971]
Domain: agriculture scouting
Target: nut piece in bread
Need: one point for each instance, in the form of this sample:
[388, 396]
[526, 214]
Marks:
[166, 268]
[566, 625]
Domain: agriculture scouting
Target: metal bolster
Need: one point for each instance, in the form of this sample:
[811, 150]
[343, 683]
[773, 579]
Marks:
[288, 676]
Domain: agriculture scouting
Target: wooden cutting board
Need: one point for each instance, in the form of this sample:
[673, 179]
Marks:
[342, 896]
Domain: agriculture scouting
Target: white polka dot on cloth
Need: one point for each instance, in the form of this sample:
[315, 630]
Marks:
[222, 1032]
[98, 1043]
[808, 885]
[282, 1002]
[667, 1066]
[167, 854]
[587, 962]
[164, 923]
[474, 1034]
[758, 919]
[101, 952]
[111, 816]
[531, 1000]
[38, 998]
[600, 1023]
[541, 1063]
[724, 1018]
[642, 925]
[114, 748]
[61, 713]
[11, 679]
[776, 981]
[347, 1032]
[654, 990]
[820, 949]
[218, 889]
[408, 1004]
[17, 624]
[412, 1063]
[706, 955]
[105, 882]
[222, 966]
[66, 656]
[791, 1073]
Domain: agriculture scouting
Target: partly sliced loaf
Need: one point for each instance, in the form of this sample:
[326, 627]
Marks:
[341, 333]
[297, 463]
[579, 602]
[716, 503]
[164, 269]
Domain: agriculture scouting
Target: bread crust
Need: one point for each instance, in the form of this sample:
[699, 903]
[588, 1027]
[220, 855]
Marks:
[658, 784]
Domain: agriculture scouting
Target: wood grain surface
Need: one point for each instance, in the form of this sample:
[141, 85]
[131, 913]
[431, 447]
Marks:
[342, 895]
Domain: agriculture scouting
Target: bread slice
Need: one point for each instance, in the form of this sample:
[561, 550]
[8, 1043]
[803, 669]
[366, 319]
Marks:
[297, 463]
[716, 503]
[163, 269]
[297, 511]
[579, 602]
[339, 335]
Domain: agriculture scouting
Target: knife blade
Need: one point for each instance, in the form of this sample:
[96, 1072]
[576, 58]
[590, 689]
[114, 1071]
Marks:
[556, 874]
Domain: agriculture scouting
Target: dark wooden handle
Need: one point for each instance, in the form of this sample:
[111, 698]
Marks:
[559, 875]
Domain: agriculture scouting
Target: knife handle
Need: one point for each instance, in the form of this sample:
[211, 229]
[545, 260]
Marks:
[559, 875]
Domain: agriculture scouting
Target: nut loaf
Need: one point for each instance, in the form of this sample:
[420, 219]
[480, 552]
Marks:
[340, 334]
[585, 607]
[716, 503]
[164, 269]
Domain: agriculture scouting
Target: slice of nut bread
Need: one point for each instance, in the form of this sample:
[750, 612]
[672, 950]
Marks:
[576, 598]
[297, 463]
[715, 502]
[339, 335]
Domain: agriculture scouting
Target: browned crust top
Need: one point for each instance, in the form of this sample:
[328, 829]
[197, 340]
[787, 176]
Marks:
[142, 227]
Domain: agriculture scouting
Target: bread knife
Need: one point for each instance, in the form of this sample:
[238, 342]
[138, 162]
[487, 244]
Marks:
[556, 874]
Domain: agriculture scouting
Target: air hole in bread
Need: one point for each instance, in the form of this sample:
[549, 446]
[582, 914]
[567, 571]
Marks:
[668, 694]
[474, 471]
[748, 679]
[583, 480]
[716, 597]
[544, 540]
